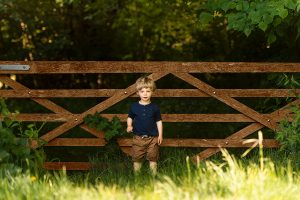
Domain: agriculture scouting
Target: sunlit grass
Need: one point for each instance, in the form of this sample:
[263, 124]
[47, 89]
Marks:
[227, 179]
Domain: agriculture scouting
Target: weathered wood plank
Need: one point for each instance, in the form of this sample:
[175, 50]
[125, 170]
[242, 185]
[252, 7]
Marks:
[80, 93]
[67, 165]
[148, 67]
[77, 142]
[123, 117]
[183, 142]
[79, 165]
[227, 100]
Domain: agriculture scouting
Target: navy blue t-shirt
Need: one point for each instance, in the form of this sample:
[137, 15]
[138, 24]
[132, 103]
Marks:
[144, 118]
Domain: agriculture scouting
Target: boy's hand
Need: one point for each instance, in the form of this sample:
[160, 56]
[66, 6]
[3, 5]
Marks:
[159, 140]
[129, 129]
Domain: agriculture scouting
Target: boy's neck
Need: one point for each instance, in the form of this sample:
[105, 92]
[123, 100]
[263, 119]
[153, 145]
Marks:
[144, 102]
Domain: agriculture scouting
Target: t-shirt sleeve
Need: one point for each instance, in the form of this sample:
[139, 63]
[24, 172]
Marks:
[157, 115]
[131, 113]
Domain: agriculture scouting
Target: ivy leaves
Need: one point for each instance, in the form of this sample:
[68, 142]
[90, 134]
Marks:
[15, 151]
[289, 134]
[111, 129]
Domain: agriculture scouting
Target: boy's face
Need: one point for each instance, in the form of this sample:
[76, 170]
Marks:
[145, 94]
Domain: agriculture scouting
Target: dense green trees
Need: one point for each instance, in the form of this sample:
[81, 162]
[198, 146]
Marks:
[221, 30]
[278, 19]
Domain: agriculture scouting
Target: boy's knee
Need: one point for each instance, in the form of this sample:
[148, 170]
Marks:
[137, 166]
[153, 167]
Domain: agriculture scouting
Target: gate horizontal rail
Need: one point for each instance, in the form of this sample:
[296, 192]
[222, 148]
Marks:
[72, 67]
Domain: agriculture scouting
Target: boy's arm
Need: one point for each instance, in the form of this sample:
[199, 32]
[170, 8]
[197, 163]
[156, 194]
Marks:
[160, 131]
[129, 125]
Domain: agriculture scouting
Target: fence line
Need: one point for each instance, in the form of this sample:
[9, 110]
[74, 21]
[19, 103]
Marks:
[158, 70]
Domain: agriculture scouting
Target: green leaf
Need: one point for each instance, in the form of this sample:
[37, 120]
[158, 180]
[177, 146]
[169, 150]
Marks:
[268, 18]
[8, 122]
[239, 6]
[22, 142]
[111, 128]
[298, 6]
[5, 112]
[28, 133]
[263, 26]
[283, 13]
[30, 126]
[205, 17]
[247, 31]
[246, 5]
[298, 30]
[228, 5]
[253, 5]
[290, 4]
[102, 126]
[277, 20]
[3, 154]
[271, 38]
[255, 16]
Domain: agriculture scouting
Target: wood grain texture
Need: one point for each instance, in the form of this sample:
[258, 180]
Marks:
[67, 165]
[165, 117]
[183, 142]
[77, 142]
[55, 67]
[79, 166]
[82, 93]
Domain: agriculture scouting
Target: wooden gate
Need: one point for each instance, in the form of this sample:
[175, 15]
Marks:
[157, 70]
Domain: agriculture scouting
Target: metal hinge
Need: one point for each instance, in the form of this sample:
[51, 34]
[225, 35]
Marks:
[15, 67]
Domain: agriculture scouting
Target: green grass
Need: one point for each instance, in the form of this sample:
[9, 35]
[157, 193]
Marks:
[228, 178]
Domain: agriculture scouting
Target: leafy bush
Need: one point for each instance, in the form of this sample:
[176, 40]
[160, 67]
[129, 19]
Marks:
[289, 135]
[15, 151]
[289, 131]
[112, 129]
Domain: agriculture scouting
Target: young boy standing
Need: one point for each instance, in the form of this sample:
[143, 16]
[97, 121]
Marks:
[144, 120]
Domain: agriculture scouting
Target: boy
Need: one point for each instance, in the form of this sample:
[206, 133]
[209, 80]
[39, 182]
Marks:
[144, 120]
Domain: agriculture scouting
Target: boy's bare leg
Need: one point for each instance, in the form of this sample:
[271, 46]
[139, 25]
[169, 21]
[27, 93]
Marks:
[153, 167]
[137, 166]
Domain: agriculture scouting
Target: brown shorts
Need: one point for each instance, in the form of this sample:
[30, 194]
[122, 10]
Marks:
[142, 147]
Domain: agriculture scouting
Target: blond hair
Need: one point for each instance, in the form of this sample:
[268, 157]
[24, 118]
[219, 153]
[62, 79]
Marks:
[145, 82]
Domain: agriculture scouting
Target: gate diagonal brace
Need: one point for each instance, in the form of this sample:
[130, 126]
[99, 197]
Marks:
[227, 100]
